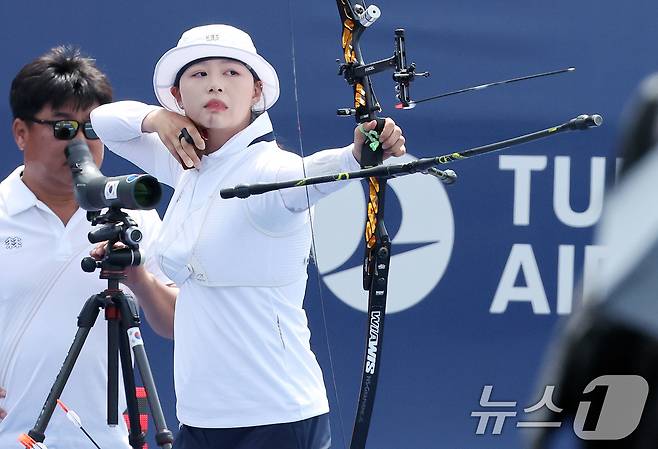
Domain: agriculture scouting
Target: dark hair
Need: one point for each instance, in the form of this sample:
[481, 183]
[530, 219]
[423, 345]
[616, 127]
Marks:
[59, 77]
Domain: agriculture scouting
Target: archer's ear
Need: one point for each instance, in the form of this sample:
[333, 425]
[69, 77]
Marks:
[21, 131]
[175, 91]
[258, 92]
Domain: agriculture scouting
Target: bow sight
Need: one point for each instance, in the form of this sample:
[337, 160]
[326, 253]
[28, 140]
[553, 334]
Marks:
[403, 74]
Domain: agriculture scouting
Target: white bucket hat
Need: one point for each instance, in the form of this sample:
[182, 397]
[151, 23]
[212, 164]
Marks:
[222, 41]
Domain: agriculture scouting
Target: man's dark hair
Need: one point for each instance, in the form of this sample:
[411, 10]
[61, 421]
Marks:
[59, 77]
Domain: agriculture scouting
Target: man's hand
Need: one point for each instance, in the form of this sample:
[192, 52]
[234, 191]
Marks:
[157, 300]
[391, 139]
[134, 274]
[168, 125]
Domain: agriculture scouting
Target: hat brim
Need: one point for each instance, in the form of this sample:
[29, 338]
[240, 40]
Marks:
[173, 60]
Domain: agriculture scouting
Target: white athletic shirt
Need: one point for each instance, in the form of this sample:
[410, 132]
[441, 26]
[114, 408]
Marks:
[242, 355]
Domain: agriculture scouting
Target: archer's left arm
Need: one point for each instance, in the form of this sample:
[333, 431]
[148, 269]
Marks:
[336, 160]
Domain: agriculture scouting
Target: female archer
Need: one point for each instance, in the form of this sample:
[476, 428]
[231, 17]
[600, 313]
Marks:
[244, 373]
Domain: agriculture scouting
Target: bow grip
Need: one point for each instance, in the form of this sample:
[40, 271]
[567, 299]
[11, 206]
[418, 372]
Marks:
[370, 158]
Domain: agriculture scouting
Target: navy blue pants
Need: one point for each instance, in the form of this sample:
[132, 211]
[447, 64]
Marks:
[312, 433]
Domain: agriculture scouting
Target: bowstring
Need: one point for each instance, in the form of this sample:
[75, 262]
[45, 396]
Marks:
[314, 253]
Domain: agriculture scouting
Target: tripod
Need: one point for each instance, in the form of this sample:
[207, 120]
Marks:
[123, 334]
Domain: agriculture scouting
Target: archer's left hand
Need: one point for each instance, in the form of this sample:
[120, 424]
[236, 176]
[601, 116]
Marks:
[391, 138]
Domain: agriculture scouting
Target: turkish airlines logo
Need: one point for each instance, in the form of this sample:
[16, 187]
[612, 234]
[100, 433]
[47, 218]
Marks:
[421, 247]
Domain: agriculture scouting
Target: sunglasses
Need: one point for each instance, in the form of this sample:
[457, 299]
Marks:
[67, 129]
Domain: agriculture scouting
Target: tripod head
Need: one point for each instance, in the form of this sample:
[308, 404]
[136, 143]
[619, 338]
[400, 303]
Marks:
[117, 226]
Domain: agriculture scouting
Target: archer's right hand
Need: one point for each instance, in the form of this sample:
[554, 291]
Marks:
[168, 125]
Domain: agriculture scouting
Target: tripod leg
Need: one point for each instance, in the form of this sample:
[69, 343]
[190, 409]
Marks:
[130, 319]
[86, 320]
[112, 317]
[163, 436]
[136, 437]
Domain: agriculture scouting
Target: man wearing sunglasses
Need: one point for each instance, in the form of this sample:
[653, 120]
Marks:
[43, 237]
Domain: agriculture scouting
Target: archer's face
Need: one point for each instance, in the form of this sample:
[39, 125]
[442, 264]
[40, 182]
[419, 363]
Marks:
[218, 93]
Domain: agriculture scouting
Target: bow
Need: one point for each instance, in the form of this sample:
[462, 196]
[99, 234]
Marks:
[355, 18]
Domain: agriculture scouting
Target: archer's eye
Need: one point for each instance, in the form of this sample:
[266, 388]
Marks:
[199, 74]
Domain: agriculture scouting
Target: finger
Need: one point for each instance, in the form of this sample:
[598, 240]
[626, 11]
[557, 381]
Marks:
[389, 128]
[199, 141]
[3, 394]
[397, 151]
[187, 143]
[369, 125]
[393, 140]
[98, 252]
[359, 138]
[190, 151]
[186, 138]
[182, 155]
